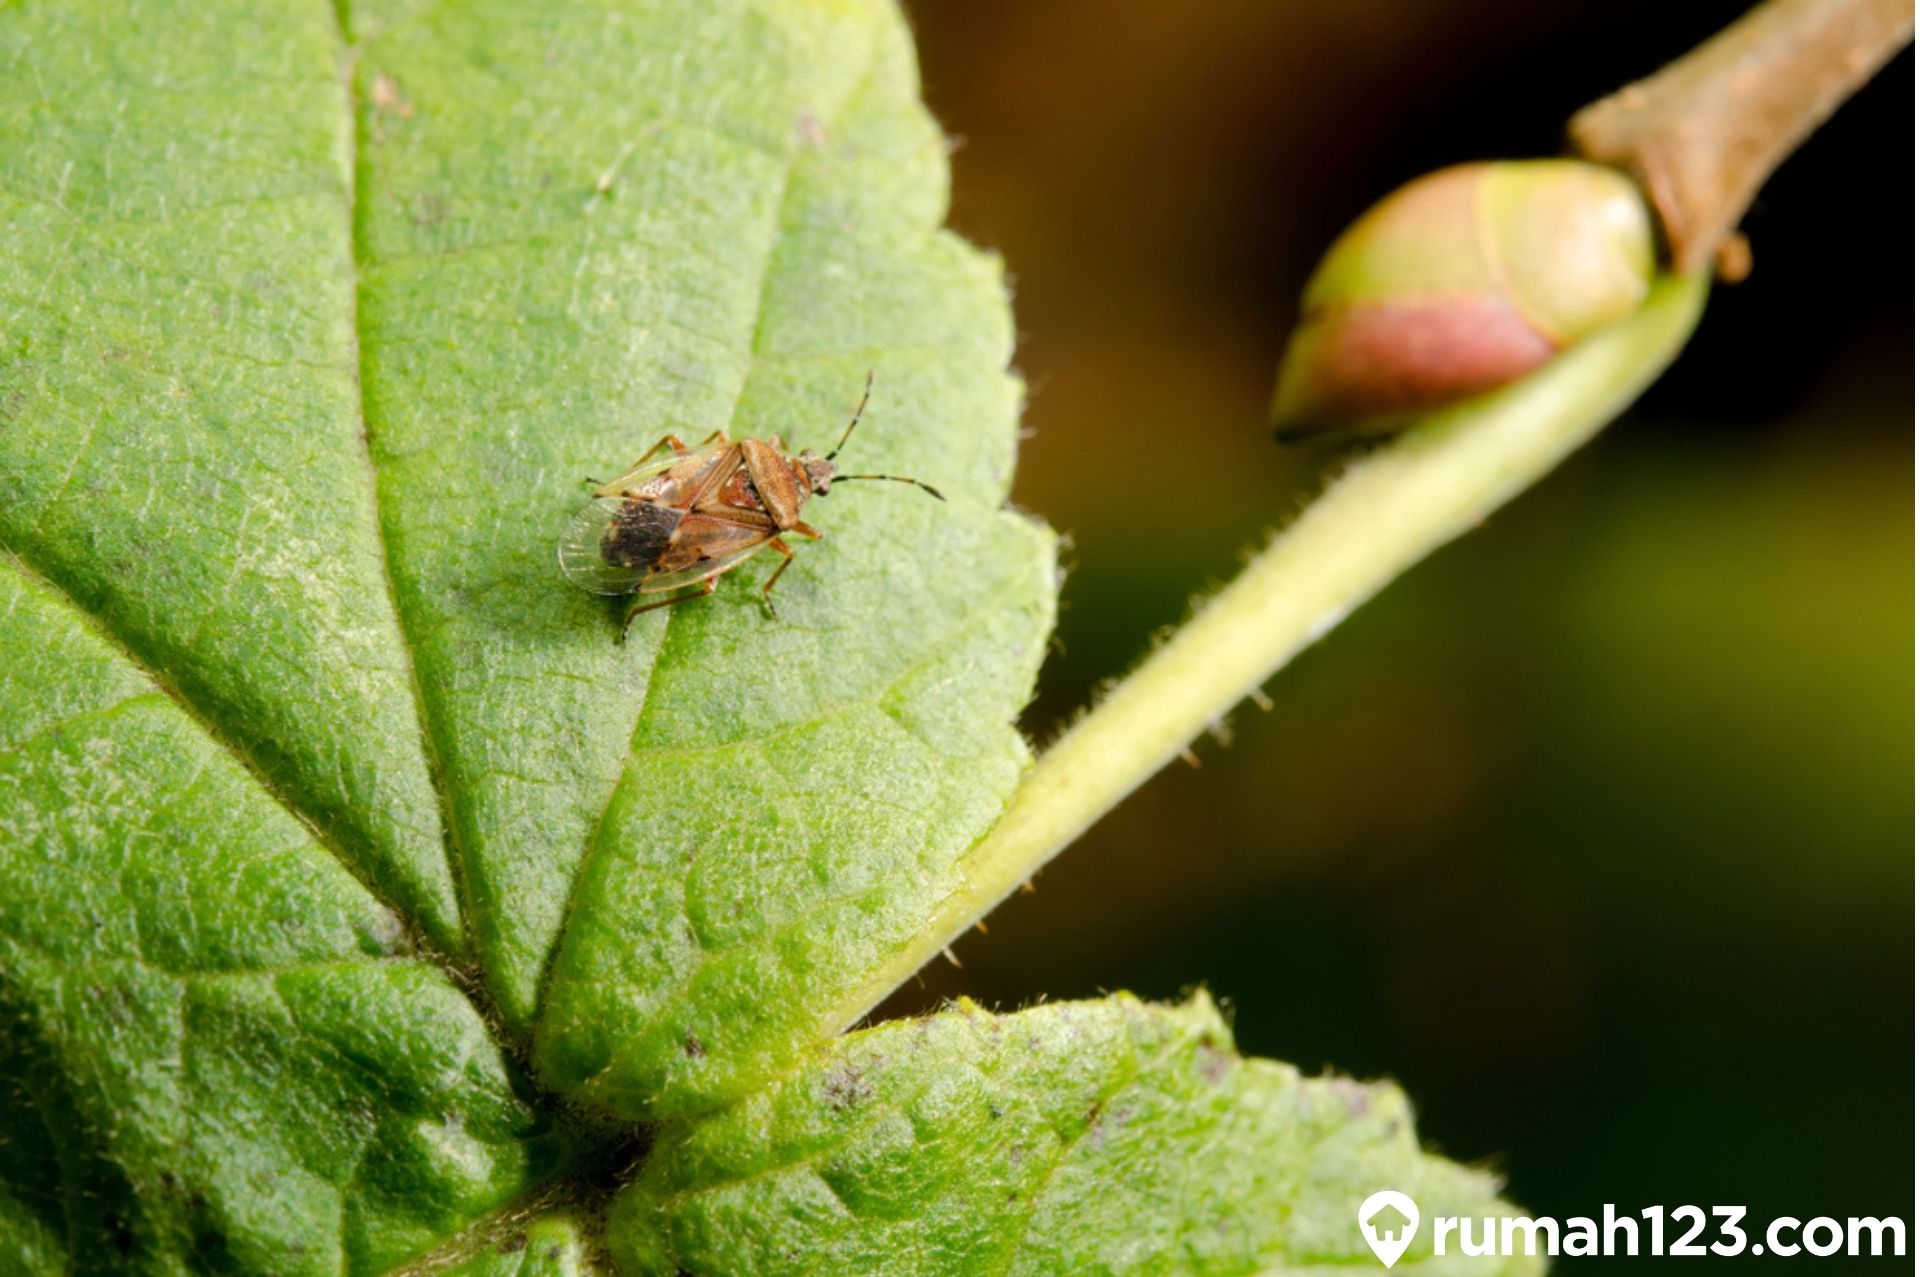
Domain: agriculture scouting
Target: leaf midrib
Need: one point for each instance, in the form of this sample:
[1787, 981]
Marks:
[354, 178]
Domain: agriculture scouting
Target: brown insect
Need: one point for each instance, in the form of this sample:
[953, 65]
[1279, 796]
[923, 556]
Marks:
[677, 522]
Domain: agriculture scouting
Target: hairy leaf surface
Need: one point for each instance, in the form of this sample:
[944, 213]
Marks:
[1097, 1137]
[218, 1052]
[359, 893]
[314, 318]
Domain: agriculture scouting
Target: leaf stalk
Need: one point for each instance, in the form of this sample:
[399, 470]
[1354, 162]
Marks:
[1386, 512]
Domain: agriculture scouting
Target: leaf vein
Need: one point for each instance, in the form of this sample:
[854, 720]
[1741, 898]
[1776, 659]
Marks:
[103, 630]
[93, 713]
[1107, 1095]
[357, 252]
[933, 655]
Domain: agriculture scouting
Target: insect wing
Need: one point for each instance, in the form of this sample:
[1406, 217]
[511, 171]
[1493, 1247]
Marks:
[583, 550]
[675, 479]
[704, 547]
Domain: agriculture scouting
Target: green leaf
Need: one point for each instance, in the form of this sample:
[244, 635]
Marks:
[311, 322]
[1110, 1137]
[218, 1052]
[180, 438]
[327, 365]
[580, 228]
[357, 889]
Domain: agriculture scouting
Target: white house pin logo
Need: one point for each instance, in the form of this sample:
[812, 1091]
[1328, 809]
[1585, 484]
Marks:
[1388, 1221]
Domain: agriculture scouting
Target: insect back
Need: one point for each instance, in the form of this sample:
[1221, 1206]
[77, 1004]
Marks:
[680, 517]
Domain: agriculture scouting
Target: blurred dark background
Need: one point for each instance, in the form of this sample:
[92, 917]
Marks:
[1595, 831]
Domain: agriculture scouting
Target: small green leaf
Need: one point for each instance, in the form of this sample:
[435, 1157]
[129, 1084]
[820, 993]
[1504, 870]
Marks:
[1109, 1137]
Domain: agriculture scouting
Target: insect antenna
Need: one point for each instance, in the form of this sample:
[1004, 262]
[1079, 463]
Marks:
[893, 478]
[848, 433]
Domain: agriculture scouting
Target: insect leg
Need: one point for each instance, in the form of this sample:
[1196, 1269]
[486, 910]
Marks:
[666, 441]
[803, 530]
[786, 561]
[700, 591]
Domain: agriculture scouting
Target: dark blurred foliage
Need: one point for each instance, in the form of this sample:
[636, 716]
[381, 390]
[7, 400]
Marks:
[1596, 831]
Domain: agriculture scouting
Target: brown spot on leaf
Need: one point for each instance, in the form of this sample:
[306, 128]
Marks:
[430, 208]
[386, 96]
[1357, 1098]
[846, 1087]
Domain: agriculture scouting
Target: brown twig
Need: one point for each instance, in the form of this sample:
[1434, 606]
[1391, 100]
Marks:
[1702, 134]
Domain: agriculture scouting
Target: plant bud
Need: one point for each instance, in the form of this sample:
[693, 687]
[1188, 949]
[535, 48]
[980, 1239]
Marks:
[1458, 283]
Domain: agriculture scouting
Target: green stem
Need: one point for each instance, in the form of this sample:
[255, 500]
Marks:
[1384, 514]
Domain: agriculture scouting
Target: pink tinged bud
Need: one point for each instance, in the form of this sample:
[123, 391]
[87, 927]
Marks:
[1459, 283]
